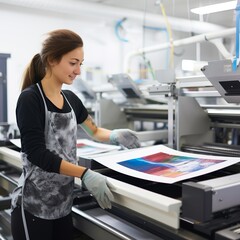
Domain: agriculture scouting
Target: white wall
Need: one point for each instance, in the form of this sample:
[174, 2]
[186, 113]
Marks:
[22, 31]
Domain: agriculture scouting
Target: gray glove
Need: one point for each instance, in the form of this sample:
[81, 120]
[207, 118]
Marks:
[124, 137]
[98, 186]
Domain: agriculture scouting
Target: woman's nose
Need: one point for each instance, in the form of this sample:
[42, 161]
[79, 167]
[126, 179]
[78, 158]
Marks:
[77, 70]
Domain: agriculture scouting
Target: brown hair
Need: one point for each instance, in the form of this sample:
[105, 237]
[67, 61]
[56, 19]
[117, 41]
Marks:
[58, 43]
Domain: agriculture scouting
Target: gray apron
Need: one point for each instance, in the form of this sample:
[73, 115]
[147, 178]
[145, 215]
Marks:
[45, 194]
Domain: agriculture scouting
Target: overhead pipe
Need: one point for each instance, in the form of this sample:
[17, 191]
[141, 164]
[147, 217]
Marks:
[218, 42]
[182, 42]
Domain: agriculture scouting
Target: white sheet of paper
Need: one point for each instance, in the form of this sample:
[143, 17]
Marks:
[162, 164]
[16, 142]
[88, 147]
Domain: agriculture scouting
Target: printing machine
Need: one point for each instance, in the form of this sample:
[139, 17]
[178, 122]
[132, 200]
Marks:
[209, 205]
[204, 207]
[10, 170]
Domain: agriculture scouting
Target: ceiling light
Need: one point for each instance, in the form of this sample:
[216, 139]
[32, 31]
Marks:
[219, 7]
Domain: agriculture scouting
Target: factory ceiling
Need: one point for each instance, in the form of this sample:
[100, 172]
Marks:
[173, 8]
[151, 13]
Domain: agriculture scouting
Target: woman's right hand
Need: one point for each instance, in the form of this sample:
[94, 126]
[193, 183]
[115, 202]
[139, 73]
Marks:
[99, 187]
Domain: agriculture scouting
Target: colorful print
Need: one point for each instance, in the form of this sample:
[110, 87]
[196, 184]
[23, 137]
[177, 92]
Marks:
[172, 166]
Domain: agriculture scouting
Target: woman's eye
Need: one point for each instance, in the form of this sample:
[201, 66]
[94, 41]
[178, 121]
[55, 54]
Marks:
[72, 63]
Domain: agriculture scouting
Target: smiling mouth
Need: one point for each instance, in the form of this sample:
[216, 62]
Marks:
[72, 77]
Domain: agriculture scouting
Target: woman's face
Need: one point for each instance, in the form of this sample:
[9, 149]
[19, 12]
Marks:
[69, 67]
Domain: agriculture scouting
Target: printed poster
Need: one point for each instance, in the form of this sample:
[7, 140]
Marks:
[162, 164]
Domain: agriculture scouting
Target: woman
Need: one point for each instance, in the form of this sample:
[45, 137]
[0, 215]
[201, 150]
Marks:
[47, 118]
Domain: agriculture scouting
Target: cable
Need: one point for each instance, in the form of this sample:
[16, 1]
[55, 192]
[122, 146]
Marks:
[119, 26]
[163, 30]
[235, 60]
[169, 30]
[146, 61]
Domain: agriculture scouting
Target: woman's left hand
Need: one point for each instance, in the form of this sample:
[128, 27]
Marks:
[124, 137]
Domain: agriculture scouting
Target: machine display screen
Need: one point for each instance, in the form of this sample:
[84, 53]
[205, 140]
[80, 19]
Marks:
[130, 93]
[231, 87]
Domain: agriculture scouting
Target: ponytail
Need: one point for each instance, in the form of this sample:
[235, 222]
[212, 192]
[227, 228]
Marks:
[34, 72]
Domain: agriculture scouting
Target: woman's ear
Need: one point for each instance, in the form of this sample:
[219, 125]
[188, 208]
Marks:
[51, 62]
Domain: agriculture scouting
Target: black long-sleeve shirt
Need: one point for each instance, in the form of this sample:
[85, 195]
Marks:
[30, 114]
